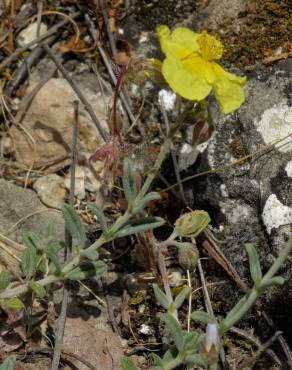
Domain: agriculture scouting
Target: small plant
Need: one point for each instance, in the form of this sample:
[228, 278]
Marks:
[195, 349]
[41, 254]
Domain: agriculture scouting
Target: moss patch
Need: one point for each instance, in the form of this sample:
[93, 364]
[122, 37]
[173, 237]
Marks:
[265, 26]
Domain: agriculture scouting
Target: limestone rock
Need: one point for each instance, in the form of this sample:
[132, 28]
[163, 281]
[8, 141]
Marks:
[51, 190]
[29, 33]
[47, 127]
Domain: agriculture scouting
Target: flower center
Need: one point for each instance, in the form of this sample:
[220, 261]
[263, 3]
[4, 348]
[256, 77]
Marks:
[210, 47]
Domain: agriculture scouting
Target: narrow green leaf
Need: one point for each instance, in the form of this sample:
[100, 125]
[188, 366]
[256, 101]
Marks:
[158, 361]
[276, 280]
[87, 270]
[129, 181]
[5, 278]
[175, 330]
[74, 224]
[14, 304]
[233, 312]
[8, 363]
[99, 215]
[128, 364]
[195, 360]
[29, 261]
[52, 251]
[142, 224]
[203, 317]
[32, 240]
[91, 255]
[49, 231]
[254, 264]
[179, 299]
[38, 289]
[170, 354]
[148, 197]
[161, 297]
[190, 341]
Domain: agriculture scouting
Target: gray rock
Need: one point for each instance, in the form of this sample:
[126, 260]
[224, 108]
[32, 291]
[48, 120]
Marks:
[239, 197]
[23, 204]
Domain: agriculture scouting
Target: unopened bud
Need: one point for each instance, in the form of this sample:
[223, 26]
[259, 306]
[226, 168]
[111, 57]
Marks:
[188, 256]
[211, 344]
[192, 224]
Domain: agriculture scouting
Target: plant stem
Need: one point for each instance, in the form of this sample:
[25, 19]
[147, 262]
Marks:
[104, 238]
[21, 289]
[256, 290]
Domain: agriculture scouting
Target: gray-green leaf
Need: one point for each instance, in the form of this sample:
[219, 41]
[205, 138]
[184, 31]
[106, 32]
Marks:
[254, 264]
[99, 215]
[203, 317]
[161, 297]
[190, 341]
[14, 304]
[179, 299]
[175, 330]
[128, 364]
[91, 255]
[5, 278]
[32, 240]
[38, 289]
[276, 280]
[87, 270]
[129, 181]
[143, 202]
[74, 224]
[142, 224]
[29, 261]
[8, 363]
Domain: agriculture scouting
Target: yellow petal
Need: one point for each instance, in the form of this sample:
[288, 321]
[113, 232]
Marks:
[219, 73]
[186, 38]
[196, 65]
[183, 82]
[178, 44]
[229, 95]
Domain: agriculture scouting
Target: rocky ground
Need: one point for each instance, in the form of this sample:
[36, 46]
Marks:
[241, 175]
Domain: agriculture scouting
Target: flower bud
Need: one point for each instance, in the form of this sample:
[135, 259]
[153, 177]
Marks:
[192, 224]
[211, 344]
[188, 256]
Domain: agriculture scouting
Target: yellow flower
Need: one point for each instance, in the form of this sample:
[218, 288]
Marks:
[191, 71]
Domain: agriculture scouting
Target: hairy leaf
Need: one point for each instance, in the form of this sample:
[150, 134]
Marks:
[8, 363]
[99, 215]
[74, 224]
[5, 278]
[38, 289]
[142, 224]
[29, 261]
[128, 364]
[161, 297]
[175, 330]
[13, 304]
